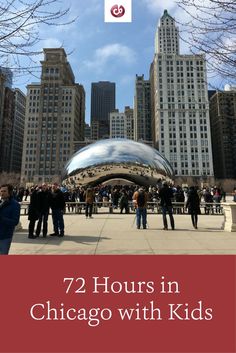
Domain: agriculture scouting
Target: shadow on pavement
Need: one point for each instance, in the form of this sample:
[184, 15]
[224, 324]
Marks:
[22, 237]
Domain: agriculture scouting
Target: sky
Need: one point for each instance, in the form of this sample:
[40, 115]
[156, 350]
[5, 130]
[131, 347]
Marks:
[100, 51]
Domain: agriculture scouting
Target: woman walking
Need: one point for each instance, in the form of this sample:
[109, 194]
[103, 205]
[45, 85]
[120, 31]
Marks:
[193, 205]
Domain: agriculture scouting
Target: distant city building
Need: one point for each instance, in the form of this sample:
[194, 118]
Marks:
[2, 96]
[122, 124]
[223, 131]
[55, 117]
[12, 118]
[7, 73]
[103, 101]
[6, 111]
[129, 113]
[180, 105]
[7, 124]
[142, 110]
[18, 131]
[87, 132]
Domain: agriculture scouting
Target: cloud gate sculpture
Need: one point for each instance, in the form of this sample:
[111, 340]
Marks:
[117, 159]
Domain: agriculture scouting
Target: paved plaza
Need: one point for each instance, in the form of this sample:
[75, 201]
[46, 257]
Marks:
[117, 234]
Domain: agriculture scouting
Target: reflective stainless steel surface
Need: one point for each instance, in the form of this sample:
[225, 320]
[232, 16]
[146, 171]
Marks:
[114, 159]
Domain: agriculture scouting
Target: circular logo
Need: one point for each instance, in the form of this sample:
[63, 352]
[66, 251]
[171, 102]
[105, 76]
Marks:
[117, 11]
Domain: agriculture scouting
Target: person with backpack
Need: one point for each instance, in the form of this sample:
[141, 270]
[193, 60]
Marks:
[140, 202]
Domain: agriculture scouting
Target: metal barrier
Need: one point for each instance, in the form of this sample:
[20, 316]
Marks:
[154, 207]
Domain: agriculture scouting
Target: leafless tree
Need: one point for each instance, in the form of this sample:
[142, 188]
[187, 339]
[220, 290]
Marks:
[211, 28]
[20, 23]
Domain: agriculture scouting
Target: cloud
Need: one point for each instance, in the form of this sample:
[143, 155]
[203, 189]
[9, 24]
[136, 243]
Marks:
[111, 53]
[51, 43]
[157, 6]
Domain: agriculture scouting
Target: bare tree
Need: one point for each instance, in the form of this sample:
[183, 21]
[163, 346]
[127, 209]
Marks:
[20, 23]
[212, 30]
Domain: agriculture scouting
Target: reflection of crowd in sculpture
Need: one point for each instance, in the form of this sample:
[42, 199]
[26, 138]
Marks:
[91, 174]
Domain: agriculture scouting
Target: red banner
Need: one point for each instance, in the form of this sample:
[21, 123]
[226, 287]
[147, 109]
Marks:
[118, 304]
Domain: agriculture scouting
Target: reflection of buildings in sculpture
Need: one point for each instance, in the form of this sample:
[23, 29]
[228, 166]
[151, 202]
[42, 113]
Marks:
[180, 104]
[117, 158]
[55, 114]
[122, 124]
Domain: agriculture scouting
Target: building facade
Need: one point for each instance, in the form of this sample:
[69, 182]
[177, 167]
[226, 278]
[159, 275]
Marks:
[18, 131]
[142, 110]
[122, 124]
[223, 131]
[103, 102]
[7, 124]
[180, 104]
[55, 117]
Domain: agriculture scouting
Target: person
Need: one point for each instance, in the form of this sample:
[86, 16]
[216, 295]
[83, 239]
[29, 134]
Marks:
[217, 199]
[43, 196]
[234, 195]
[208, 198]
[140, 202]
[89, 200]
[124, 202]
[33, 214]
[9, 217]
[57, 204]
[193, 205]
[166, 195]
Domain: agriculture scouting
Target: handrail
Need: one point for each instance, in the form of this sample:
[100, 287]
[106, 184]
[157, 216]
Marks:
[108, 207]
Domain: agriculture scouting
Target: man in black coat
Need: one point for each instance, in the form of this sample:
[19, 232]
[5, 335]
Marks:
[166, 195]
[43, 208]
[9, 217]
[33, 214]
[57, 204]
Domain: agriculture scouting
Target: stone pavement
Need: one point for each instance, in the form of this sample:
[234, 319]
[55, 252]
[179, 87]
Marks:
[117, 234]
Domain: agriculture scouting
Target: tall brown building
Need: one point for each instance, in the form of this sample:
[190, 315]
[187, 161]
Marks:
[12, 118]
[6, 130]
[223, 132]
[55, 117]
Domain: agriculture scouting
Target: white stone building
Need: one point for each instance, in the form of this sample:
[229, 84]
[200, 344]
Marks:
[180, 108]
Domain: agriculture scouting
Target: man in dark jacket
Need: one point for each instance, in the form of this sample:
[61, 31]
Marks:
[43, 208]
[57, 204]
[166, 195]
[9, 217]
[33, 214]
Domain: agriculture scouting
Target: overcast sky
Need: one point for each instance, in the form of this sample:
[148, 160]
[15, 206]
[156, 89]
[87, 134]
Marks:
[108, 51]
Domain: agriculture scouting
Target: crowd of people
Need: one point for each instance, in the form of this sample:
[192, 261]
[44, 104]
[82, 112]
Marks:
[43, 198]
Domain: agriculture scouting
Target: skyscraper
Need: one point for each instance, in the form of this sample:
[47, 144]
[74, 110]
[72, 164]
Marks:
[223, 132]
[55, 114]
[18, 131]
[7, 122]
[180, 104]
[103, 102]
[12, 118]
[142, 110]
